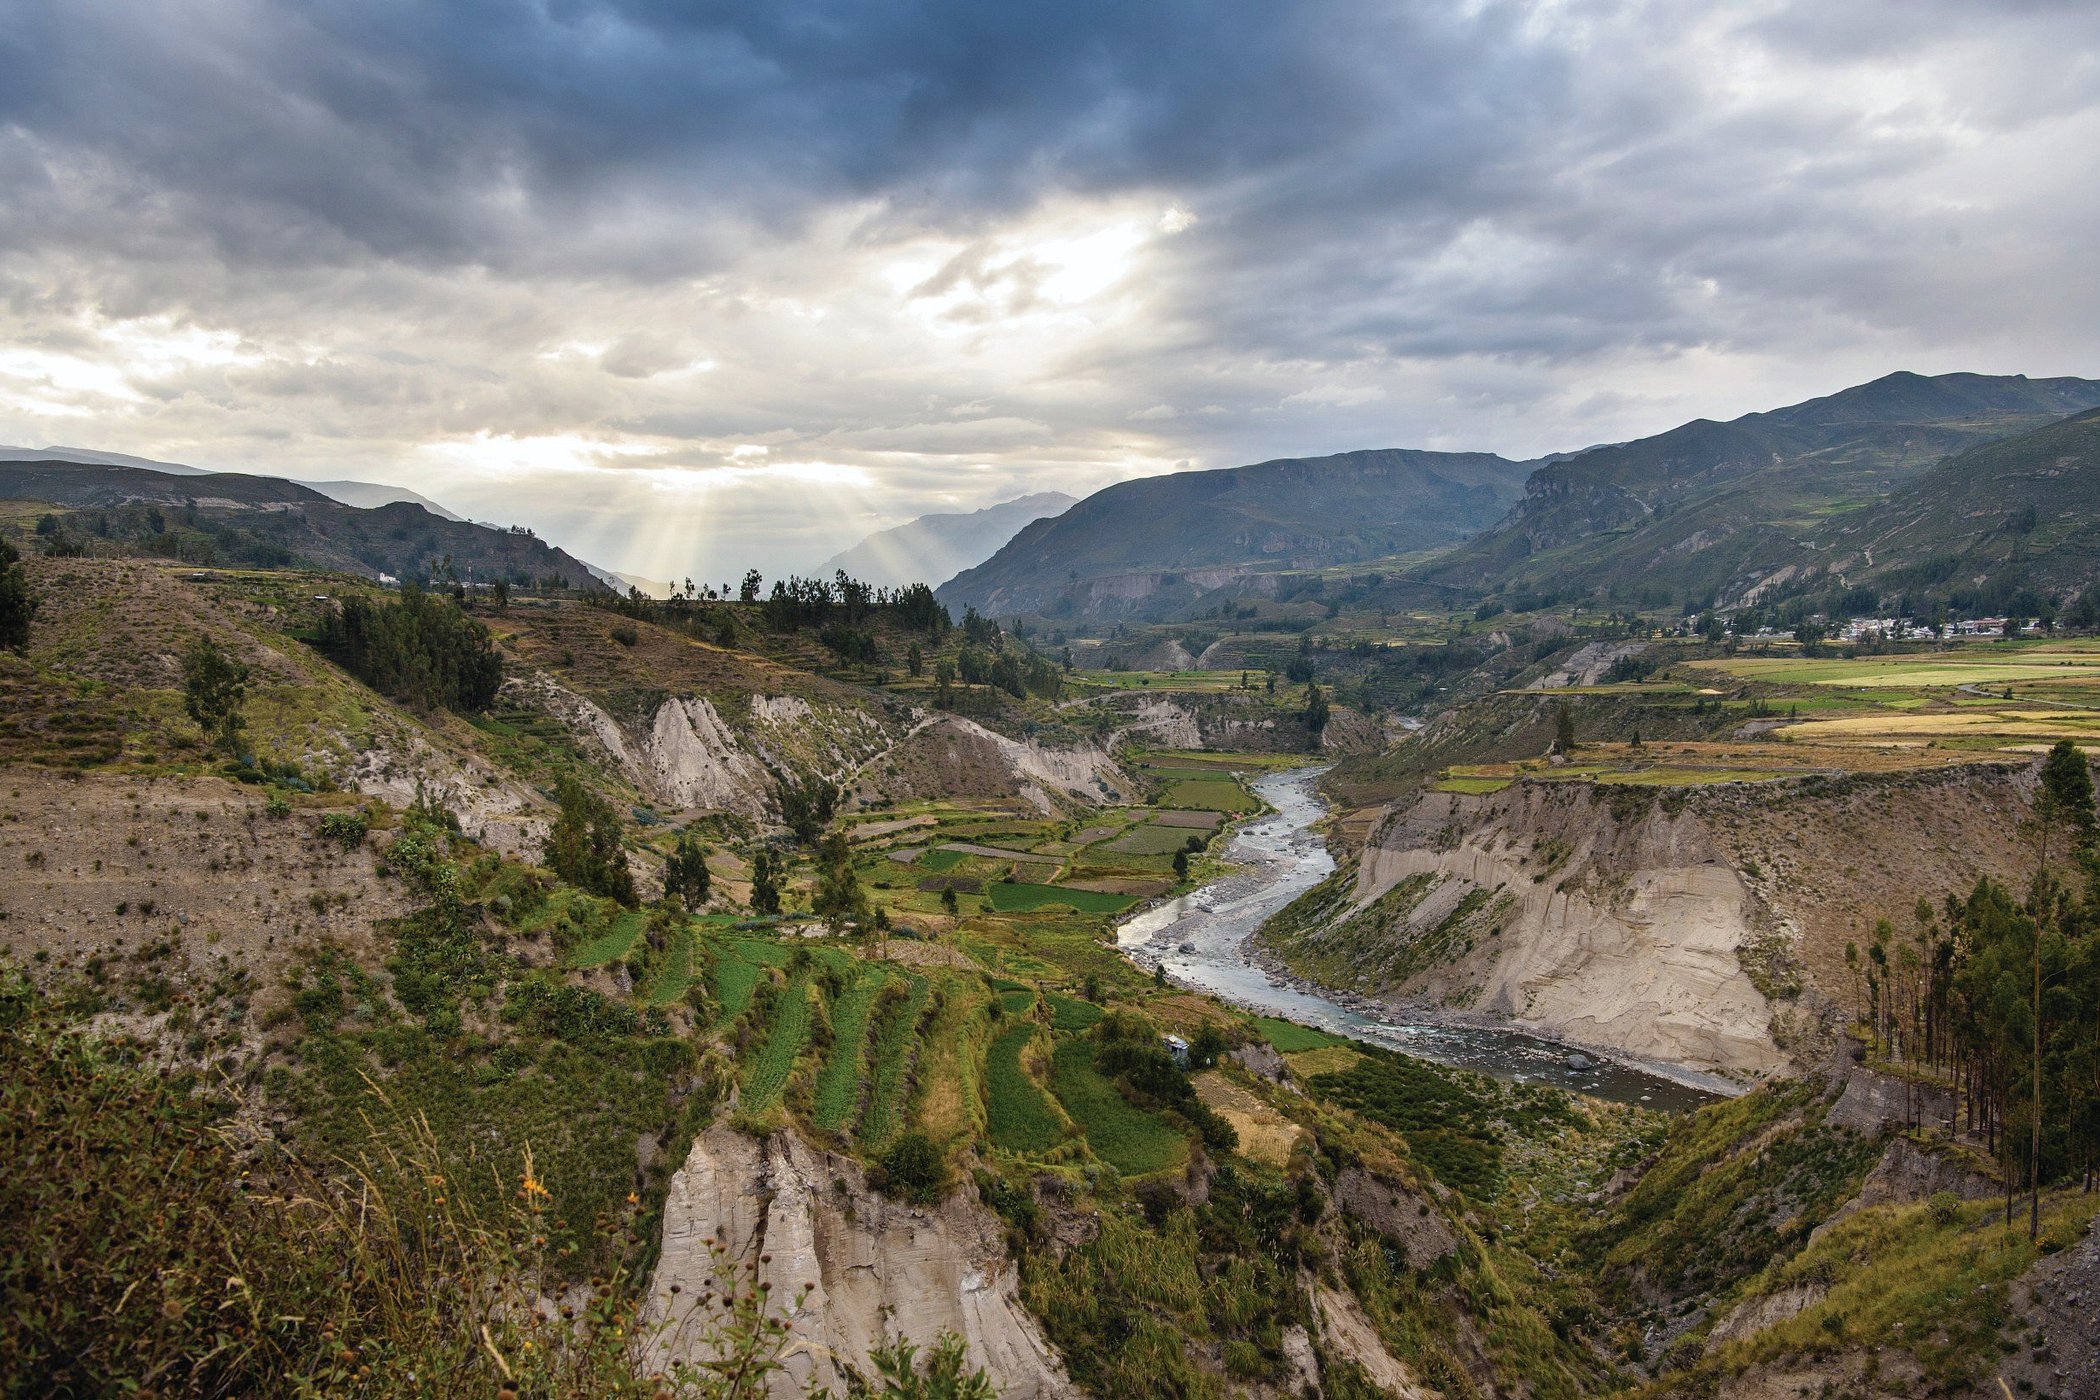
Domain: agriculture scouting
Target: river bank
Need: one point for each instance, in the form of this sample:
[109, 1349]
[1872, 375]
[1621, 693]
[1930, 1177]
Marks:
[1202, 940]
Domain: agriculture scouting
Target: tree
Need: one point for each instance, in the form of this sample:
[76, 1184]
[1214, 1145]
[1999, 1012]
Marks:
[914, 661]
[214, 686]
[1563, 730]
[685, 872]
[747, 592]
[2065, 799]
[17, 603]
[1316, 709]
[1181, 866]
[765, 883]
[839, 893]
[807, 807]
[950, 905]
[583, 846]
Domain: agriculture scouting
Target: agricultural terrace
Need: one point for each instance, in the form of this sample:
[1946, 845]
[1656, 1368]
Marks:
[1972, 699]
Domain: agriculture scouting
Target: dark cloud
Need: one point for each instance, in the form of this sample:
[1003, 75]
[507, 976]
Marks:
[356, 235]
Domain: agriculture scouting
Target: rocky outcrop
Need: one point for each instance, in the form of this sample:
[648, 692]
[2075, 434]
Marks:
[873, 1268]
[1397, 1213]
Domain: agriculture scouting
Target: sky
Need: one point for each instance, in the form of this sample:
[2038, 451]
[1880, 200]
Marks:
[688, 287]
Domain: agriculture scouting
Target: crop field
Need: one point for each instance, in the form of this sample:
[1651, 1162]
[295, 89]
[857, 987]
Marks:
[1018, 1114]
[1134, 1143]
[1072, 1014]
[889, 1060]
[613, 943]
[668, 987]
[734, 979]
[1475, 786]
[1996, 727]
[1211, 682]
[1988, 664]
[1151, 840]
[766, 1074]
[1014, 898]
[1211, 795]
[838, 1083]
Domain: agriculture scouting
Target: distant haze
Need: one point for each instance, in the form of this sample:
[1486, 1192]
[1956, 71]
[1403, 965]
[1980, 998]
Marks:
[935, 548]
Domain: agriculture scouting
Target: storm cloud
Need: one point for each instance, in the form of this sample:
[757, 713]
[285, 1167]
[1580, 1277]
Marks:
[691, 286]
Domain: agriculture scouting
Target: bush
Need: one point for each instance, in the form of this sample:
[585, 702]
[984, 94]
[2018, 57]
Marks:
[346, 829]
[1944, 1207]
[913, 1169]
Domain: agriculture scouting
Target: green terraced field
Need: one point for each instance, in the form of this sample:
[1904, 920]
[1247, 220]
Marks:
[1152, 840]
[766, 1075]
[613, 943]
[838, 1083]
[669, 986]
[1210, 795]
[1134, 1143]
[733, 981]
[1016, 898]
[889, 1062]
[1017, 1112]
[1072, 1014]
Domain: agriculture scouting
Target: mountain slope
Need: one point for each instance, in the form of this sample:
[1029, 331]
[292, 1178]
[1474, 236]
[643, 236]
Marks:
[2027, 505]
[933, 548]
[229, 518]
[1296, 513]
[1707, 509]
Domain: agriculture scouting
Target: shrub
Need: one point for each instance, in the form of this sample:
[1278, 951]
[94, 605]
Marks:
[346, 829]
[913, 1169]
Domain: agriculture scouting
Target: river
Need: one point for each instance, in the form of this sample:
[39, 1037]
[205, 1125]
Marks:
[1201, 940]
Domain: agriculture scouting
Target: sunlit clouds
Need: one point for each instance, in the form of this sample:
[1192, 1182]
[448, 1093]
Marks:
[686, 292]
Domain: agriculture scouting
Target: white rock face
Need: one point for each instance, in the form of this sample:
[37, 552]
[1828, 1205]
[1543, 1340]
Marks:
[693, 759]
[1085, 773]
[878, 1268]
[1631, 941]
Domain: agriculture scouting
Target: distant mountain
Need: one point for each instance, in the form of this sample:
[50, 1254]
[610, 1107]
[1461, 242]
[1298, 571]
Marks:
[364, 494]
[234, 519]
[935, 548]
[1195, 530]
[1707, 510]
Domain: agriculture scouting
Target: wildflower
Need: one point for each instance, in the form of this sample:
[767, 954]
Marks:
[633, 1199]
[531, 1187]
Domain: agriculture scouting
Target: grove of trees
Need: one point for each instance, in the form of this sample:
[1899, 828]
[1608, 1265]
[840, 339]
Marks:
[419, 649]
[1997, 997]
